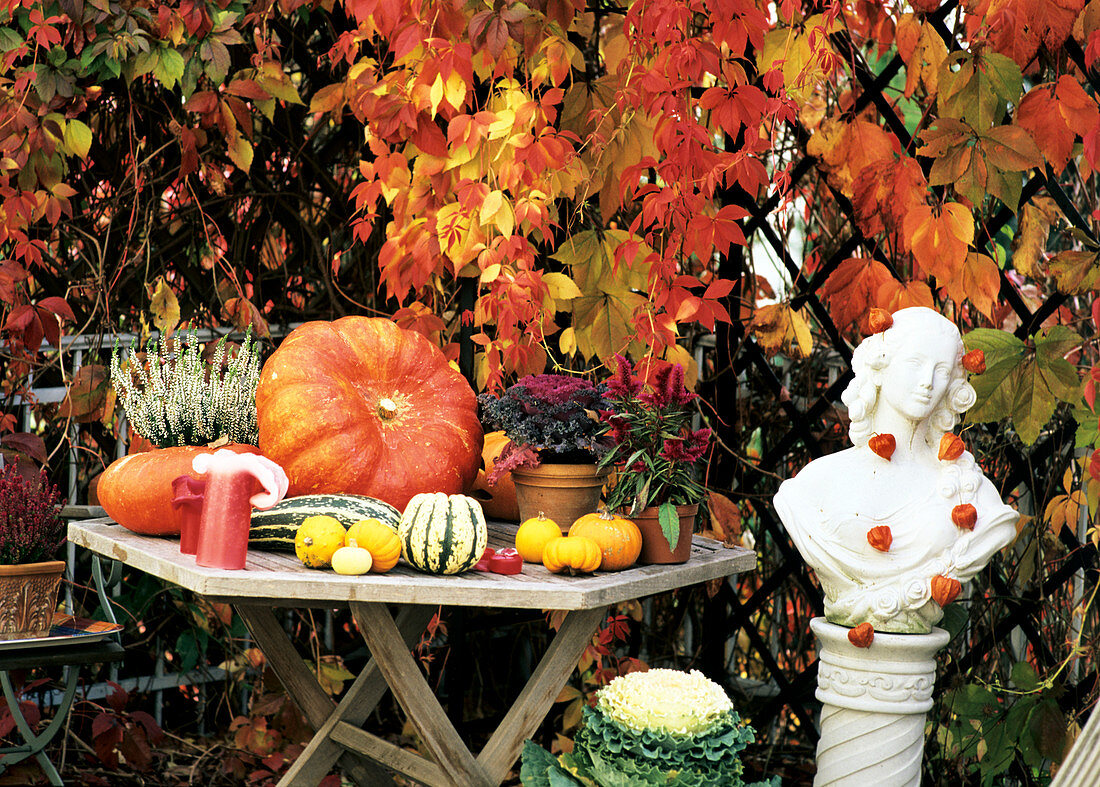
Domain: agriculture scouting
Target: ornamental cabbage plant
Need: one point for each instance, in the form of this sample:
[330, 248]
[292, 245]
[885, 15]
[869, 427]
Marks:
[661, 727]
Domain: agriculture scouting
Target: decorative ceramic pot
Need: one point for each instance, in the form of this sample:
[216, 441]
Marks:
[562, 492]
[28, 598]
[655, 545]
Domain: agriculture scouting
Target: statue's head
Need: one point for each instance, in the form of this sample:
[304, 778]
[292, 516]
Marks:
[915, 367]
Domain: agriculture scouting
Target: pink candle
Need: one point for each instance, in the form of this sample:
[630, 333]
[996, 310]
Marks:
[187, 497]
[231, 480]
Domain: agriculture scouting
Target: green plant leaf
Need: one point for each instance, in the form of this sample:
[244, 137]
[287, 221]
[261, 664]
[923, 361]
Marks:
[669, 518]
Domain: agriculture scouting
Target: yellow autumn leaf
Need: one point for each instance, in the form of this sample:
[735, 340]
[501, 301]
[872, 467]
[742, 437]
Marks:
[561, 287]
[1030, 241]
[567, 342]
[165, 307]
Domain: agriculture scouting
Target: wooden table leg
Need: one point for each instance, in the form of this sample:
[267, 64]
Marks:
[415, 696]
[300, 683]
[533, 703]
[318, 758]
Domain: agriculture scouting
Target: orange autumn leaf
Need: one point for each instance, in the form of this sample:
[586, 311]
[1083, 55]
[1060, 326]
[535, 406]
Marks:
[979, 280]
[894, 295]
[939, 239]
[1056, 114]
[885, 191]
[843, 149]
[923, 51]
[852, 289]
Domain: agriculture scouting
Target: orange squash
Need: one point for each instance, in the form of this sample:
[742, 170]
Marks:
[380, 540]
[136, 490]
[498, 501]
[362, 406]
[571, 554]
[619, 539]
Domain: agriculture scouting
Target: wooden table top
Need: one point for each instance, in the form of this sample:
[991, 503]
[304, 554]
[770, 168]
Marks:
[280, 579]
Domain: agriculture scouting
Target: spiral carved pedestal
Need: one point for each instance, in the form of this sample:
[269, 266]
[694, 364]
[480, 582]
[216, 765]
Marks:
[875, 702]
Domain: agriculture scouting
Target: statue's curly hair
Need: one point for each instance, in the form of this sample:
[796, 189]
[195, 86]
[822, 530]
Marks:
[875, 353]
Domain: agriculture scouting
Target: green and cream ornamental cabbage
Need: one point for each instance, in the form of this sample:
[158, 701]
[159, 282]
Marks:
[665, 700]
[178, 398]
[660, 727]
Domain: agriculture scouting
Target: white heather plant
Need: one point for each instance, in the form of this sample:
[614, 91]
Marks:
[177, 398]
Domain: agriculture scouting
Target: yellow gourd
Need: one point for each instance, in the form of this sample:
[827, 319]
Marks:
[317, 540]
[571, 554]
[352, 559]
[380, 540]
[533, 535]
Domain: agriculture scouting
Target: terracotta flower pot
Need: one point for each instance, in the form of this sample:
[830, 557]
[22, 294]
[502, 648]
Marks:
[28, 598]
[563, 493]
[655, 545]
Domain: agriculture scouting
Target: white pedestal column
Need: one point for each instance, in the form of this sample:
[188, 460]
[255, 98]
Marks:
[875, 703]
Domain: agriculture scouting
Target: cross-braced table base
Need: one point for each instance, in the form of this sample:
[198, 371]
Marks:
[367, 757]
[69, 657]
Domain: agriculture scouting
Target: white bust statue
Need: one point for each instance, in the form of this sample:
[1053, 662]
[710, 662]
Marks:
[909, 383]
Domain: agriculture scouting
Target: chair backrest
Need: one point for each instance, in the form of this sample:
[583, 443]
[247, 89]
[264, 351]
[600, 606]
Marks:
[1081, 768]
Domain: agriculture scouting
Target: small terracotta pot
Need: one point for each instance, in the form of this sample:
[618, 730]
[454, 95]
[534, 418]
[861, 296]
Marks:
[563, 493]
[655, 545]
[28, 598]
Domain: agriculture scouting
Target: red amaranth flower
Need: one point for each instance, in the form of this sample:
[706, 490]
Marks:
[623, 385]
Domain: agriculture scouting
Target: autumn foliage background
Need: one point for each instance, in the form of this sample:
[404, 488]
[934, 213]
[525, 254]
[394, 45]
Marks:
[544, 184]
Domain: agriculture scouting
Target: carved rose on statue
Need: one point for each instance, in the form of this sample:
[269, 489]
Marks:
[910, 383]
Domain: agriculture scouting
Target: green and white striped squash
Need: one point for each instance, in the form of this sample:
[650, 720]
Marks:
[442, 534]
[274, 528]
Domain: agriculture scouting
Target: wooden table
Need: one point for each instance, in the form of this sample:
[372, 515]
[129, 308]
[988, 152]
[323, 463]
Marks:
[277, 580]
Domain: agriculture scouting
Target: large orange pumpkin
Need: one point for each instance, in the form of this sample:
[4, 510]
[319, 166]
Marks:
[499, 500]
[362, 406]
[136, 490]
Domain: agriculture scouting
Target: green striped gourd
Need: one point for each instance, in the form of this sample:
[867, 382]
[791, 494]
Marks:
[274, 529]
[442, 534]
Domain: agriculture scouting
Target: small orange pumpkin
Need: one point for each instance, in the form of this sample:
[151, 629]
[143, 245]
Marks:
[571, 554]
[619, 539]
[380, 540]
[533, 536]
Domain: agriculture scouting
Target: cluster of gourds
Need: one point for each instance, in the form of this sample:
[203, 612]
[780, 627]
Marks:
[379, 437]
[600, 540]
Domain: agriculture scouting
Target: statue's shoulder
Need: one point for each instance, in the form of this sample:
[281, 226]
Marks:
[829, 469]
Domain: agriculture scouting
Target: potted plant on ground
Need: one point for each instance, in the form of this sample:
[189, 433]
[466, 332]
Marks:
[554, 442]
[654, 450]
[31, 533]
[659, 726]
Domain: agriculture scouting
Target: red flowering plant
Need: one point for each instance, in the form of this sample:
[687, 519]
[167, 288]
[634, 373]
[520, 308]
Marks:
[547, 418]
[654, 447]
[31, 528]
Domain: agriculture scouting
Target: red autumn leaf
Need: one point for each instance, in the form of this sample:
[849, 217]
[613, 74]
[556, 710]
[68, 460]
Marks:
[884, 445]
[965, 516]
[945, 589]
[885, 191]
[894, 295]
[951, 447]
[852, 289]
[862, 635]
[880, 537]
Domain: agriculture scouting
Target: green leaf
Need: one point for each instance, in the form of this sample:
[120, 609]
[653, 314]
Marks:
[1059, 374]
[978, 86]
[1048, 730]
[669, 518]
[169, 67]
[78, 138]
[1003, 355]
[1024, 676]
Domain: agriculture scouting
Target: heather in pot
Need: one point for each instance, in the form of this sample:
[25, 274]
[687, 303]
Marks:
[31, 529]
